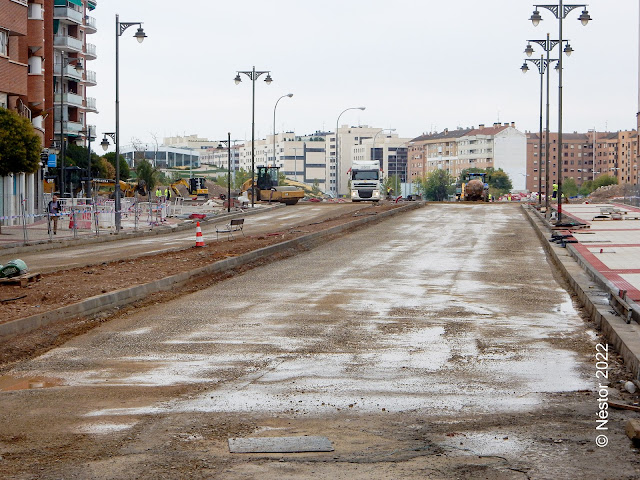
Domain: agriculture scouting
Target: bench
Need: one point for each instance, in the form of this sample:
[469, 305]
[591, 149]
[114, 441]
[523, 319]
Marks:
[235, 225]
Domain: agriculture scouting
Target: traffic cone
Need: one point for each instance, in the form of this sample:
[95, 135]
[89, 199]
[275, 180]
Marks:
[199, 239]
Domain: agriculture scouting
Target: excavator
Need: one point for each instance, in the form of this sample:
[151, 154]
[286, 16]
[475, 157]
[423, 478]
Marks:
[268, 190]
[195, 186]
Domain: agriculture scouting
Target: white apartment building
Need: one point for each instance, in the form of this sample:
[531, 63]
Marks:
[500, 147]
[389, 149]
[192, 142]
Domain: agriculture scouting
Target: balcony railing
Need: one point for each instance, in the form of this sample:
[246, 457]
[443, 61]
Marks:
[91, 53]
[68, 14]
[68, 43]
[91, 103]
[91, 77]
[72, 99]
[69, 71]
[90, 24]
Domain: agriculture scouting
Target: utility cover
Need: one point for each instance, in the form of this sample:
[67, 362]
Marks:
[280, 445]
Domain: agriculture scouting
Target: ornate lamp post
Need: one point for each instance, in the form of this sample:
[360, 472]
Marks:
[253, 75]
[560, 11]
[140, 36]
[543, 65]
[221, 147]
[88, 133]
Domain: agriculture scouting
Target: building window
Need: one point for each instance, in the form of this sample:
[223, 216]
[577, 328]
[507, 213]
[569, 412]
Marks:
[4, 43]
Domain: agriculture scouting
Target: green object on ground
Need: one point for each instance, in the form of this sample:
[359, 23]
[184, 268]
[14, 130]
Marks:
[14, 268]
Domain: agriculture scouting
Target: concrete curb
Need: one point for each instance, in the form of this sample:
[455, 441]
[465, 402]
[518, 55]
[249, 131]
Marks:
[88, 239]
[593, 291]
[129, 295]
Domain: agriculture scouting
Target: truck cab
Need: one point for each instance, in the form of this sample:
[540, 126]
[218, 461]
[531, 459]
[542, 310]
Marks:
[366, 182]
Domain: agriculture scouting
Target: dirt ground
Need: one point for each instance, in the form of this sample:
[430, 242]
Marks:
[65, 287]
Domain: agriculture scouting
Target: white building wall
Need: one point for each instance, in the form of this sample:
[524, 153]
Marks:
[510, 154]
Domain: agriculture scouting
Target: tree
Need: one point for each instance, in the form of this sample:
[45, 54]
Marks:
[604, 180]
[19, 145]
[586, 188]
[437, 186]
[500, 181]
[242, 176]
[103, 168]
[147, 173]
[569, 187]
[124, 167]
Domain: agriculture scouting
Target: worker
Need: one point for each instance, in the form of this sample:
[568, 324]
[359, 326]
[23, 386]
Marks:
[166, 193]
[54, 208]
[555, 190]
[158, 192]
[490, 198]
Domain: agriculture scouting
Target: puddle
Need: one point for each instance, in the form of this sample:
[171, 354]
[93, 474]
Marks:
[11, 384]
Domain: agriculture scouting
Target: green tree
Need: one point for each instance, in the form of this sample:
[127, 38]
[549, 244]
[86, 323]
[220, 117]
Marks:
[19, 145]
[604, 180]
[438, 185]
[147, 173]
[315, 189]
[242, 176]
[500, 181]
[124, 166]
[76, 155]
[586, 188]
[569, 187]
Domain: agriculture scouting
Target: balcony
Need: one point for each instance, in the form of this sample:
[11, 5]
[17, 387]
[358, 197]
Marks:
[72, 99]
[90, 79]
[90, 53]
[69, 128]
[91, 105]
[69, 72]
[68, 43]
[67, 15]
[90, 25]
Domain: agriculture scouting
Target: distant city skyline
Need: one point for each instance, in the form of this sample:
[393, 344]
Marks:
[416, 66]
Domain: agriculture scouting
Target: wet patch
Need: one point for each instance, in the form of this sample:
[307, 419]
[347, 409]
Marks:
[9, 383]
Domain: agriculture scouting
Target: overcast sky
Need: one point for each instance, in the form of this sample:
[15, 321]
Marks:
[416, 65]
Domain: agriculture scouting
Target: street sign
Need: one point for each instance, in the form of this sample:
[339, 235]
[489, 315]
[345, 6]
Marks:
[52, 161]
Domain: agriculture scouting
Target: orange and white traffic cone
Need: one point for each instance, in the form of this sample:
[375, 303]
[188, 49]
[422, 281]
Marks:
[199, 239]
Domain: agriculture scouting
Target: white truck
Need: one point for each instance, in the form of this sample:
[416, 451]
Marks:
[366, 181]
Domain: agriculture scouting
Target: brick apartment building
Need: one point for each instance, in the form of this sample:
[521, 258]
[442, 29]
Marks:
[586, 156]
[36, 38]
[499, 146]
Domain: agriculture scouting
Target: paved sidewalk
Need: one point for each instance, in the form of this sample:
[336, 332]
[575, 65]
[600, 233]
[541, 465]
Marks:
[611, 246]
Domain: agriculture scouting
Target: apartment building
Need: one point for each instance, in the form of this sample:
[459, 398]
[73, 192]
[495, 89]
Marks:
[72, 26]
[586, 156]
[500, 146]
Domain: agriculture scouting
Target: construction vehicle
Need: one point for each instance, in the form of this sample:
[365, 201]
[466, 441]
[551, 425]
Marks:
[127, 189]
[268, 190]
[366, 181]
[474, 188]
[195, 186]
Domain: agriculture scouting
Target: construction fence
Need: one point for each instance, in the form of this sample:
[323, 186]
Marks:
[84, 216]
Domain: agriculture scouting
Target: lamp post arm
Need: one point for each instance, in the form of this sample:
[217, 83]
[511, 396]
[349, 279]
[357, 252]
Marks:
[565, 10]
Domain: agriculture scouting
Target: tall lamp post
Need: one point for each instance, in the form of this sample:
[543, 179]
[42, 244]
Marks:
[373, 148]
[140, 36]
[274, 125]
[253, 75]
[543, 65]
[88, 132]
[221, 147]
[560, 11]
[64, 61]
[338, 147]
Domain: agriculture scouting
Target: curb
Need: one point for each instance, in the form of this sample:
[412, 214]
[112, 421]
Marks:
[44, 245]
[593, 290]
[125, 296]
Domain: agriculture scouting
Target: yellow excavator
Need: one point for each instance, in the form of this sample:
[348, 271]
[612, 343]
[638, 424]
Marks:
[268, 190]
[195, 186]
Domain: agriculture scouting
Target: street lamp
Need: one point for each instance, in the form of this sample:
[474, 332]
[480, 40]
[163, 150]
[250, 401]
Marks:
[253, 75]
[543, 65]
[373, 148]
[140, 36]
[560, 11]
[64, 61]
[274, 125]
[88, 132]
[221, 147]
[338, 149]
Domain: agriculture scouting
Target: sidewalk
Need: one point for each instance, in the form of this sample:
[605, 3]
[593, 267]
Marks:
[611, 246]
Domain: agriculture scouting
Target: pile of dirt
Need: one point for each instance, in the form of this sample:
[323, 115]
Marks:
[603, 194]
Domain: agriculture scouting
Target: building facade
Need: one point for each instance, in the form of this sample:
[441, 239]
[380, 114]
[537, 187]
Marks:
[500, 146]
[585, 156]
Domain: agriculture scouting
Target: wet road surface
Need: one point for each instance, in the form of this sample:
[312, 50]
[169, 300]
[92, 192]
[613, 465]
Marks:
[436, 344]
